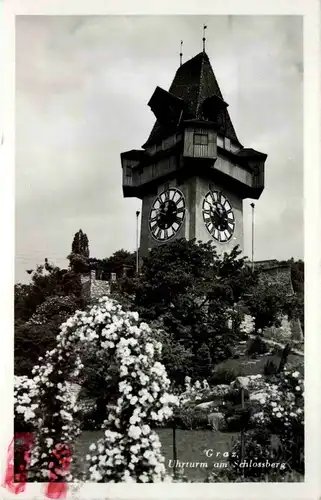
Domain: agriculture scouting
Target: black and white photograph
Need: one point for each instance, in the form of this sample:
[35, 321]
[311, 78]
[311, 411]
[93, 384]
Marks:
[159, 280]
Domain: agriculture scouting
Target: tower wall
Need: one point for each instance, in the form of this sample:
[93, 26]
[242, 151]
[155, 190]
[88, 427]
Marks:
[201, 233]
[146, 239]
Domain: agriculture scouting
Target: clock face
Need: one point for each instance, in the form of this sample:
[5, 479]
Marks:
[218, 216]
[167, 214]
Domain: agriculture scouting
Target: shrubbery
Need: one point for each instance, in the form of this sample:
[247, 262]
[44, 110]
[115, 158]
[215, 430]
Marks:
[222, 376]
[256, 346]
[270, 367]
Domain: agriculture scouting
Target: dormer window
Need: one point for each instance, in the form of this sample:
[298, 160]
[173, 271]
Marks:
[201, 139]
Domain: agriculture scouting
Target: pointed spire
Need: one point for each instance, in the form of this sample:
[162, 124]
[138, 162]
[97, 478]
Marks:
[204, 39]
[181, 54]
[194, 82]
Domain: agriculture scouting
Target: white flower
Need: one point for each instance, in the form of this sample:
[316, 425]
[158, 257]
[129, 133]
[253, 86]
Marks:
[134, 419]
[134, 431]
[296, 374]
[96, 476]
[146, 429]
[92, 447]
[279, 415]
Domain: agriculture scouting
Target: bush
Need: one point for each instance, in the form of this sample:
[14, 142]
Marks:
[237, 418]
[270, 368]
[222, 376]
[234, 396]
[90, 421]
[257, 346]
[202, 362]
[257, 446]
[276, 351]
[191, 418]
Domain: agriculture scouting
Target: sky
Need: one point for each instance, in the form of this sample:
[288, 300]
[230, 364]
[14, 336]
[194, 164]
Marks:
[82, 87]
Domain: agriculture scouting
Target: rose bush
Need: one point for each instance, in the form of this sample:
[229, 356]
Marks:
[25, 402]
[140, 397]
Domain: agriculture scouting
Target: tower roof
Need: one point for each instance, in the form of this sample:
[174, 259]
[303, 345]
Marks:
[194, 82]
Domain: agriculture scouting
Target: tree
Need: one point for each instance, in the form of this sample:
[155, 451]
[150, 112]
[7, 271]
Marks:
[203, 362]
[79, 253]
[41, 307]
[121, 262]
[268, 301]
[80, 244]
[191, 289]
[297, 275]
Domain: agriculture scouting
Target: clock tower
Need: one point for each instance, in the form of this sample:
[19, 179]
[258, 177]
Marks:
[192, 173]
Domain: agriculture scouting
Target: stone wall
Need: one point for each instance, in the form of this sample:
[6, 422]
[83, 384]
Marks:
[277, 273]
[93, 289]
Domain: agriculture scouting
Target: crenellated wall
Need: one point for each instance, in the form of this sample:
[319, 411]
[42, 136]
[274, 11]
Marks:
[274, 272]
[93, 289]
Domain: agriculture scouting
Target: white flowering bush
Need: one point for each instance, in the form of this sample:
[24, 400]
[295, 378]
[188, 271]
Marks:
[281, 400]
[280, 408]
[194, 391]
[248, 324]
[25, 400]
[130, 449]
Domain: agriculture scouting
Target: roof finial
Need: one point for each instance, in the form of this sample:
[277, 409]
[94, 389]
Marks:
[204, 39]
[181, 54]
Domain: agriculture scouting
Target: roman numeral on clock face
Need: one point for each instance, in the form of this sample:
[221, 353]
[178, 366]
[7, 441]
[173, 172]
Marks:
[218, 216]
[167, 214]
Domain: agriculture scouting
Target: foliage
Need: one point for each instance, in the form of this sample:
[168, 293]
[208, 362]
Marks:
[188, 417]
[258, 447]
[202, 362]
[257, 346]
[136, 385]
[270, 368]
[222, 376]
[31, 342]
[80, 244]
[47, 281]
[234, 398]
[122, 263]
[237, 418]
[297, 275]
[191, 291]
[79, 253]
[268, 302]
[281, 411]
[177, 358]
[53, 295]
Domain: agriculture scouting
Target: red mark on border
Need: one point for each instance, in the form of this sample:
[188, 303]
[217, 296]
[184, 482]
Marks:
[59, 466]
[15, 482]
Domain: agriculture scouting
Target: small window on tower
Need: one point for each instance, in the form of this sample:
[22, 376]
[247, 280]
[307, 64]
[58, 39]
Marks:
[201, 139]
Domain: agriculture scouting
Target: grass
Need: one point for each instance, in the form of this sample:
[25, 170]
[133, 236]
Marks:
[246, 365]
[190, 448]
